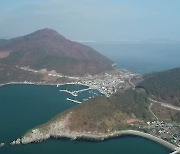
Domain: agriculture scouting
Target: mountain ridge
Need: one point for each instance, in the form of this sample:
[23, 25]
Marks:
[163, 86]
[47, 49]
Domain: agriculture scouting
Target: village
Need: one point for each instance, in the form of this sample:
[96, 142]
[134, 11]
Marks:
[167, 131]
[106, 83]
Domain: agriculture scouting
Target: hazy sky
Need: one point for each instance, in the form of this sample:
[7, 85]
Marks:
[96, 20]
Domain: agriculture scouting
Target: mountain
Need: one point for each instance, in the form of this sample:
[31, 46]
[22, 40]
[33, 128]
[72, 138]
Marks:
[47, 49]
[163, 86]
[14, 74]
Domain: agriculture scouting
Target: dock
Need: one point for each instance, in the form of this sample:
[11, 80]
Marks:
[74, 101]
[74, 93]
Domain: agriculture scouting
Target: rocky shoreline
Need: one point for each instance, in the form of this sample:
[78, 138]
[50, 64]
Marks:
[2, 144]
[97, 137]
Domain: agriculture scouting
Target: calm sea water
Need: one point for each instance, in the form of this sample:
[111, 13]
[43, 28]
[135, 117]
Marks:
[142, 57]
[25, 106]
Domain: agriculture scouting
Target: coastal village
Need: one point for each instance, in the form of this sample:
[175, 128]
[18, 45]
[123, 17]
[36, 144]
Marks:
[167, 131]
[105, 83]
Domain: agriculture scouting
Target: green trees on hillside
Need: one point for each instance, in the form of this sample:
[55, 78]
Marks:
[164, 86]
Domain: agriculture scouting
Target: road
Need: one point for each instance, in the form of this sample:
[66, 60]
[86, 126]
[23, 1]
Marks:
[166, 105]
[152, 111]
[133, 85]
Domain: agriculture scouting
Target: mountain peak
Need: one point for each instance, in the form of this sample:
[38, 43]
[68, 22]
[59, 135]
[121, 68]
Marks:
[46, 33]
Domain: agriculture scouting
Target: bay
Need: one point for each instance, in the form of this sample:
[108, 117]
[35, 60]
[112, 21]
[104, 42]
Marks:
[26, 106]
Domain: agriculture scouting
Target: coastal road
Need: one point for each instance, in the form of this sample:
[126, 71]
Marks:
[166, 105]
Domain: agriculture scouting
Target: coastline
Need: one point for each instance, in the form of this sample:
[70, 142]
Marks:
[120, 134]
[52, 84]
[96, 137]
[100, 137]
[40, 83]
[22, 83]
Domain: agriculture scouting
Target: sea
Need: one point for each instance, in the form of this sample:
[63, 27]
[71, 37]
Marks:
[141, 57]
[23, 107]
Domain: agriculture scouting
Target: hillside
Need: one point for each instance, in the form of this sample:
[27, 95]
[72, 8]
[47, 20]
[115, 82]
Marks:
[13, 74]
[96, 116]
[47, 49]
[114, 113]
[163, 86]
[131, 107]
[128, 110]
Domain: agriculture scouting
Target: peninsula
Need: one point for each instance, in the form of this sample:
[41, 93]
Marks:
[128, 111]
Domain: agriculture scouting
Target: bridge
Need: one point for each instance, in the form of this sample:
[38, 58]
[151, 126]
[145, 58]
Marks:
[177, 151]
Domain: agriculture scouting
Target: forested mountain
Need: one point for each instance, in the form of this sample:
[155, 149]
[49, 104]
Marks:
[163, 86]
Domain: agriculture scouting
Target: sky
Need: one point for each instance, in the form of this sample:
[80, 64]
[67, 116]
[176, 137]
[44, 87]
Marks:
[93, 20]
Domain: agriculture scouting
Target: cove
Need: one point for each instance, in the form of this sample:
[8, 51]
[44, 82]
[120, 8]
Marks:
[25, 106]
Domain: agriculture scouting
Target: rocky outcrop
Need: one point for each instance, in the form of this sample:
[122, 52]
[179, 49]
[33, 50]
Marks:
[58, 128]
[16, 142]
[2, 144]
[34, 136]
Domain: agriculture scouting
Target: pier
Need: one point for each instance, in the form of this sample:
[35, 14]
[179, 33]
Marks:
[74, 101]
[74, 93]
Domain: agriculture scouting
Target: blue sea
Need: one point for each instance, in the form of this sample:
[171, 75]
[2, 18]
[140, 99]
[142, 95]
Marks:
[141, 57]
